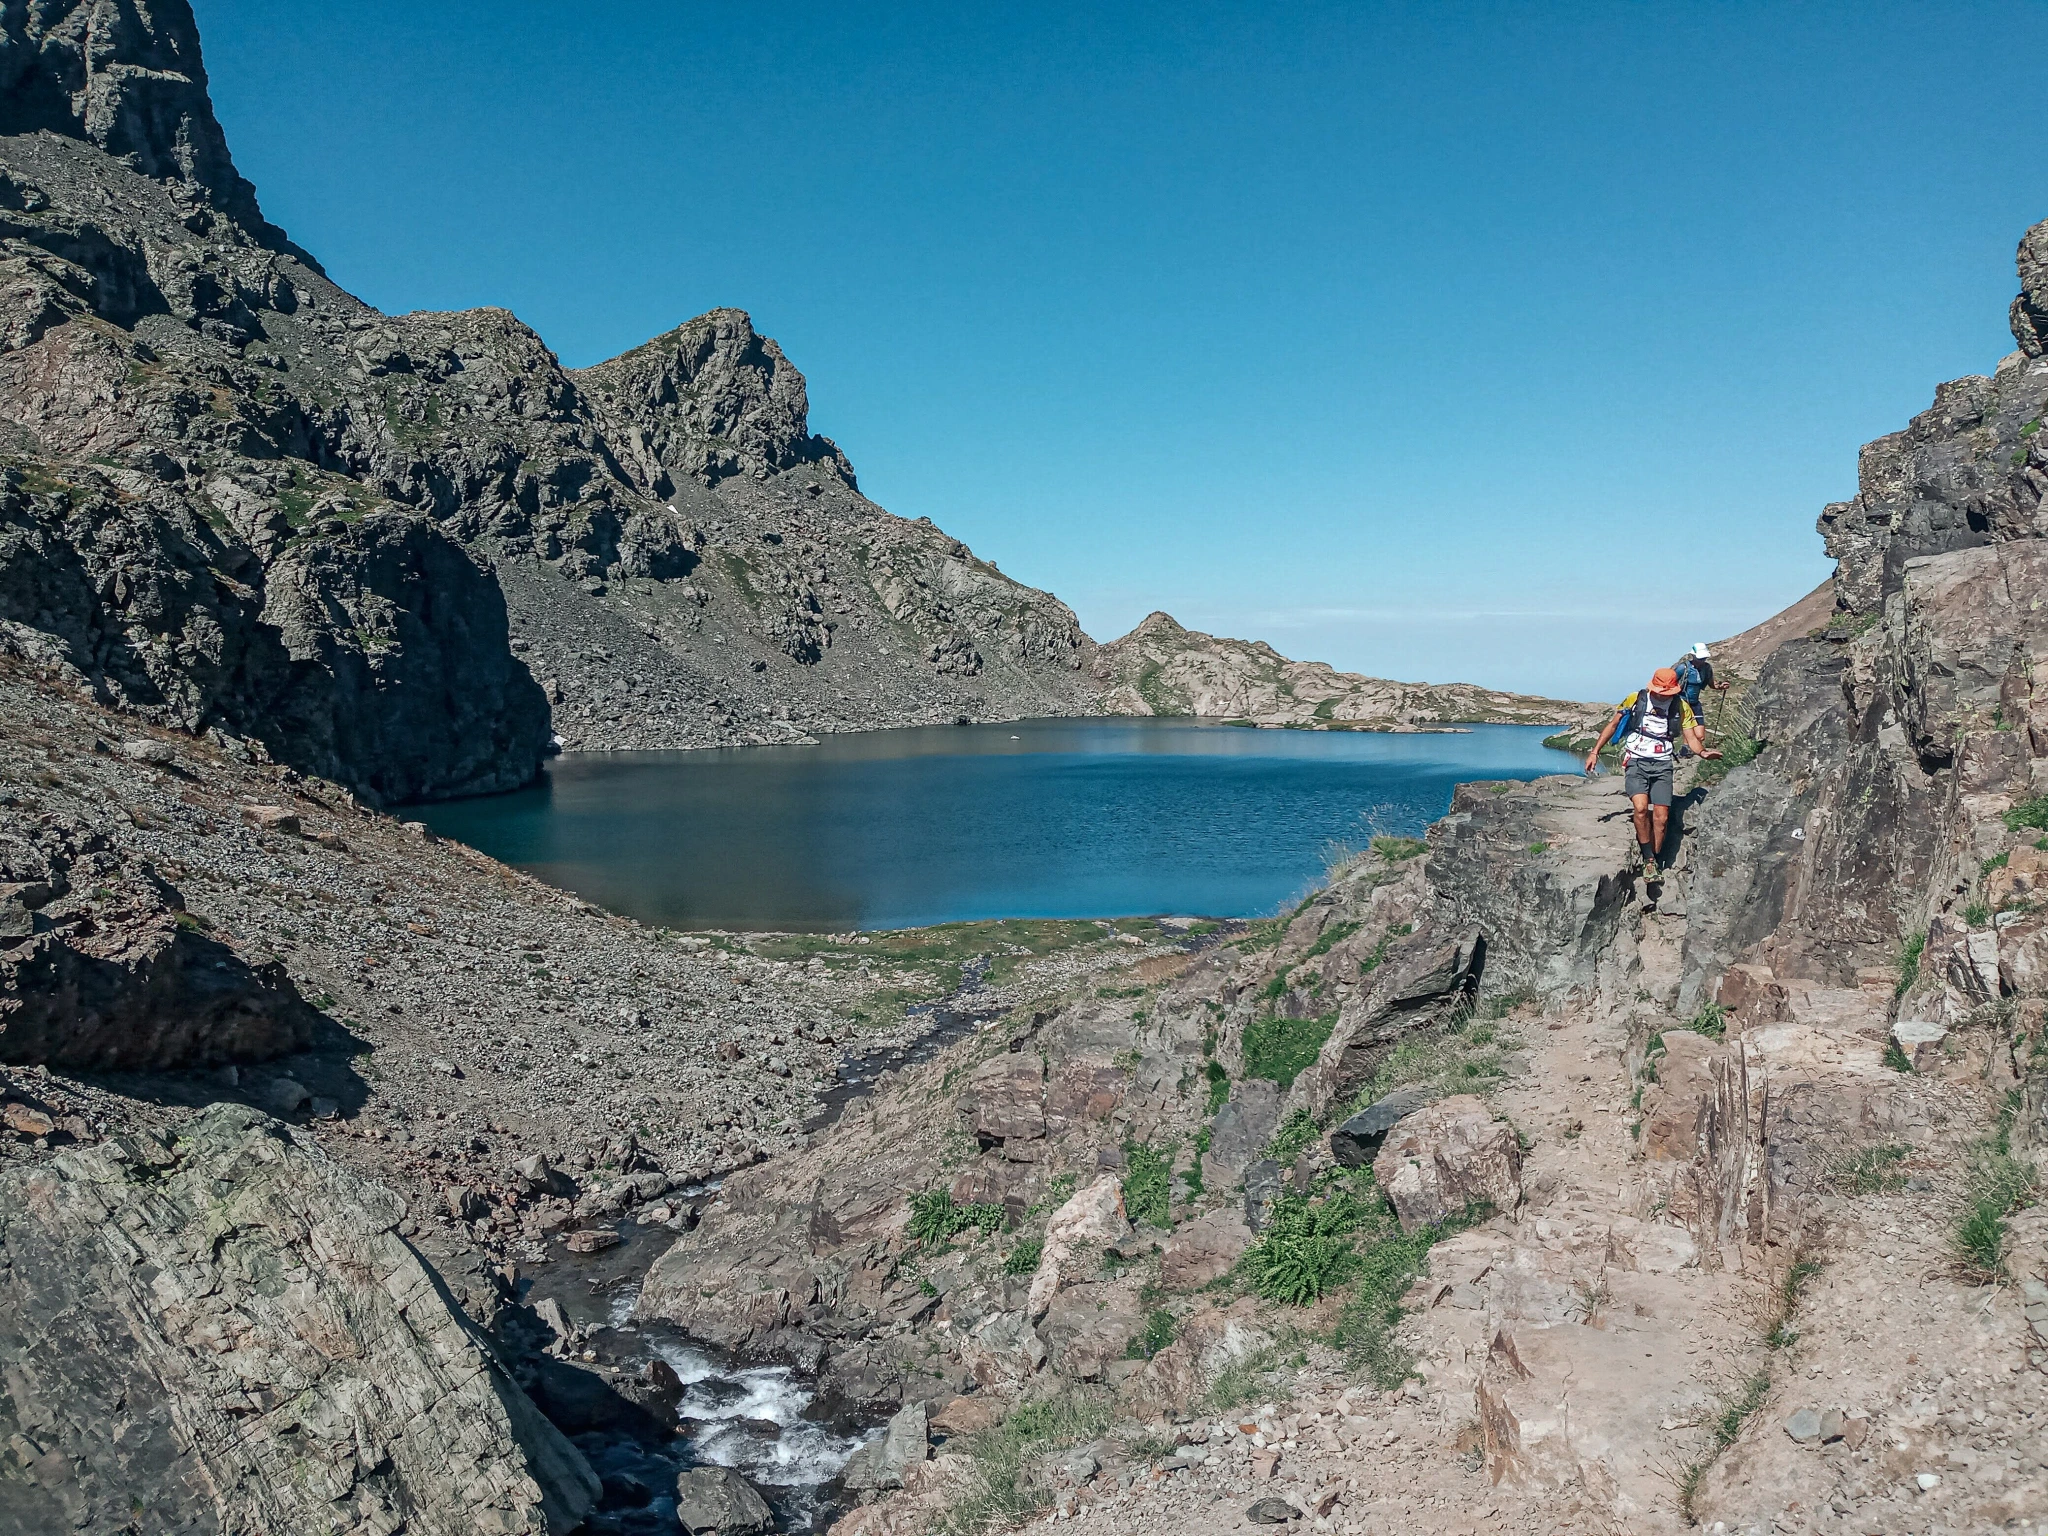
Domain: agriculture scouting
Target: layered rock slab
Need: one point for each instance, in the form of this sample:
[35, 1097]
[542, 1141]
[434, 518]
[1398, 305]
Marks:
[228, 1327]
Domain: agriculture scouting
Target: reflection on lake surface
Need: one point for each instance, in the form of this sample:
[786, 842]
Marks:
[1038, 818]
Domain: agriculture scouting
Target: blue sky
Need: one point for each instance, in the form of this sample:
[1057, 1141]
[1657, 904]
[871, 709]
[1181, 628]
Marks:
[1517, 344]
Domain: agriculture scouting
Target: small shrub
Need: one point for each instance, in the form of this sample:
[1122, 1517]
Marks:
[1294, 1134]
[2029, 813]
[1539, 847]
[1895, 1056]
[1305, 1249]
[1976, 914]
[1022, 1259]
[1279, 1049]
[1146, 1191]
[1711, 1021]
[1219, 1085]
[1396, 850]
[1909, 963]
[1996, 861]
[1157, 1334]
[935, 1220]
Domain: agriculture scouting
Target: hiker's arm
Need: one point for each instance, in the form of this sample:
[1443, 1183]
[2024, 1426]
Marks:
[1599, 746]
[1696, 738]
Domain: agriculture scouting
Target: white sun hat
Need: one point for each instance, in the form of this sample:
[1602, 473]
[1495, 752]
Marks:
[1700, 650]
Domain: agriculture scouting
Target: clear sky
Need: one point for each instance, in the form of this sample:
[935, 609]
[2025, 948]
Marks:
[1512, 343]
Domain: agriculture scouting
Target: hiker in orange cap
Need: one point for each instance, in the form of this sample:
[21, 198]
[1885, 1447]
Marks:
[1649, 725]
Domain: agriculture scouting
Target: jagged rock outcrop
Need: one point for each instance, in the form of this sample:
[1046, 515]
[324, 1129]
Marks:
[129, 80]
[1901, 736]
[225, 1329]
[1160, 668]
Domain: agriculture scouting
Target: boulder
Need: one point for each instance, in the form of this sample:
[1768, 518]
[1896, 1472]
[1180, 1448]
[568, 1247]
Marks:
[1438, 1160]
[1203, 1250]
[1094, 1214]
[1240, 1131]
[132, 984]
[966, 1415]
[1003, 1351]
[717, 1501]
[1357, 1141]
[884, 1460]
[1008, 1095]
[1566, 1406]
[543, 1178]
[1263, 1184]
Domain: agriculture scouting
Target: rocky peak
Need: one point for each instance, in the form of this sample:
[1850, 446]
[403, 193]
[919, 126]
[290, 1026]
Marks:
[128, 79]
[713, 398]
[1158, 624]
[2029, 313]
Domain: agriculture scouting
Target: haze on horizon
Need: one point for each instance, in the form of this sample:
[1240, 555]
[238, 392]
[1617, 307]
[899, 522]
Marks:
[1459, 342]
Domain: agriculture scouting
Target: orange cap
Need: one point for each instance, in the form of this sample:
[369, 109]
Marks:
[1664, 682]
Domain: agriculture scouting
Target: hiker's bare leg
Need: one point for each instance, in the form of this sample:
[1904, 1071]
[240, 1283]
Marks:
[1642, 810]
[1660, 815]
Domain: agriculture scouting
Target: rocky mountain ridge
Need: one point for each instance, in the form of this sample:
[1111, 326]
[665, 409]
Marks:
[1161, 668]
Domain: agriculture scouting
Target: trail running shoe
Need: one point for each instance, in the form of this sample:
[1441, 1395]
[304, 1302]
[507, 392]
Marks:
[1650, 875]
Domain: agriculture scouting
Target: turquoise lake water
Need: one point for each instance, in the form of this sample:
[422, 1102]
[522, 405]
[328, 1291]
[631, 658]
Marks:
[1039, 818]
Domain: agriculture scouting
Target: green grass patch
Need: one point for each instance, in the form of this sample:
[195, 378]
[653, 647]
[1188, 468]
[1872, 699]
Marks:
[1895, 1056]
[1389, 1265]
[1734, 1411]
[2029, 813]
[1999, 1184]
[1004, 1488]
[1397, 850]
[1023, 1256]
[1976, 914]
[1330, 937]
[1157, 1334]
[1465, 1055]
[1872, 1171]
[1711, 1021]
[1219, 1086]
[1281, 1049]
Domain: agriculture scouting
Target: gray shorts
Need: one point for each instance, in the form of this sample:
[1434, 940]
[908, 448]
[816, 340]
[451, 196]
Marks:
[1649, 776]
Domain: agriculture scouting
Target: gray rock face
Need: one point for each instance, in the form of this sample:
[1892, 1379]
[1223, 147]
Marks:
[718, 1499]
[1243, 1126]
[710, 399]
[175, 1324]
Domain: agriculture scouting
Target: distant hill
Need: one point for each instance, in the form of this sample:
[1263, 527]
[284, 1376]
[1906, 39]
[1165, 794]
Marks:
[1162, 668]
